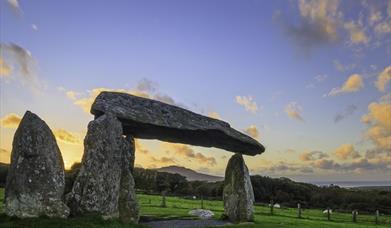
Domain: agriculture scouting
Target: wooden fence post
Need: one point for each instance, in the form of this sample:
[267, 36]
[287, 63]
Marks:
[354, 215]
[328, 214]
[298, 210]
[377, 217]
[163, 199]
[202, 202]
[271, 207]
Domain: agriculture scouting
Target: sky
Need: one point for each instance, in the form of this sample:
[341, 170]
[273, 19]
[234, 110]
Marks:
[309, 79]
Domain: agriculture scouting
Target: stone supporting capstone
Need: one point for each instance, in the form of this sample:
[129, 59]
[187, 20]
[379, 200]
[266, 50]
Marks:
[36, 181]
[105, 185]
[238, 194]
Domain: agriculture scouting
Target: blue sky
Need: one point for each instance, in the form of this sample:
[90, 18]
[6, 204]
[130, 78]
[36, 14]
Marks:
[282, 59]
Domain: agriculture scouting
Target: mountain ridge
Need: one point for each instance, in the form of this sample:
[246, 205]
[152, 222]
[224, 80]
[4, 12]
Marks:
[190, 174]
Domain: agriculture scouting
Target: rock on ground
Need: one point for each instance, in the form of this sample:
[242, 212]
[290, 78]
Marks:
[150, 119]
[36, 181]
[186, 223]
[238, 194]
[201, 213]
[103, 179]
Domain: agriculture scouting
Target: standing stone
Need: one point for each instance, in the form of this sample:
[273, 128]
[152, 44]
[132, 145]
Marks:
[238, 194]
[103, 179]
[128, 206]
[36, 181]
[131, 155]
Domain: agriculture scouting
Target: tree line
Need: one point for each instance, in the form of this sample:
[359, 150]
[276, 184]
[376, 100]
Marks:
[283, 191]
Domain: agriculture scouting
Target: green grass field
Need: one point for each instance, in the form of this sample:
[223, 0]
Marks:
[179, 208]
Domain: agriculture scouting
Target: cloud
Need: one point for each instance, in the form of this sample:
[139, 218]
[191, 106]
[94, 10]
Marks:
[71, 94]
[356, 31]
[145, 88]
[293, 110]
[146, 85]
[247, 102]
[252, 131]
[23, 62]
[362, 165]
[378, 120]
[283, 167]
[14, 4]
[353, 84]
[66, 136]
[3, 151]
[11, 120]
[345, 151]
[140, 148]
[187, 152]
[349, 110]
[34, 27]
[312, 155]
[318, 23]
[5, 69]
[383, 79]
[325, 164]
[343, 67]
[163, 161]
[317, 80]
[214, 115]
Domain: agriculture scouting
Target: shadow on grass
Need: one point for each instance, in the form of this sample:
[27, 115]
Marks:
[79, 222]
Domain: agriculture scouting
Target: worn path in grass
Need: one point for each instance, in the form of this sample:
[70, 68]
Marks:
[178, 208]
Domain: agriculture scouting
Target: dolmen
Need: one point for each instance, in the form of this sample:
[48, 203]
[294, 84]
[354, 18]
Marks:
[105, 185]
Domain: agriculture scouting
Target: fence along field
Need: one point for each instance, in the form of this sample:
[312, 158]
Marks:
[178, 208]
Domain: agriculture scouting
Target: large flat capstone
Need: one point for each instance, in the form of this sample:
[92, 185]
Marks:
[151, 119]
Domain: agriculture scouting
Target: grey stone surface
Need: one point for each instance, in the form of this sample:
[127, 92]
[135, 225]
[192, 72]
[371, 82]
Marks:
[35, 182]
[103, 179]
[202, 213]
[132, 154]
[150, 119]
[128, 206]
[238, 194]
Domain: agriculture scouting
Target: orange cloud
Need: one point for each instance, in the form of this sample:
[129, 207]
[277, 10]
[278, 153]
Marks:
[214, 115]
[383, 79]
[378, 119]
[5, 155]
[162, 161]
[5, 69]
[66, 136]
[312, 155]
[11, 120]
[144, 88]
[293, 110]
[252, 131]
[140, 148]
[247, 102]
[353, 84]
[188, 152]
[356, 32]
[345, 151]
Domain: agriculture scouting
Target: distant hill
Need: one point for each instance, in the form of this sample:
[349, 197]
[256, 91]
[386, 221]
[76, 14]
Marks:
[190, 174]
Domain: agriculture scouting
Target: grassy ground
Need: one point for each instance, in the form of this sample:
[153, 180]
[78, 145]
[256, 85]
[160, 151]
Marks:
[179, 208]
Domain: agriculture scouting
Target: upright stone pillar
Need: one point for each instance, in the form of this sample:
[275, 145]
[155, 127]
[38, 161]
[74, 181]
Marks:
[127, 203]
[105, 185]
[131, 152]
[238, 194]
[36, 181]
